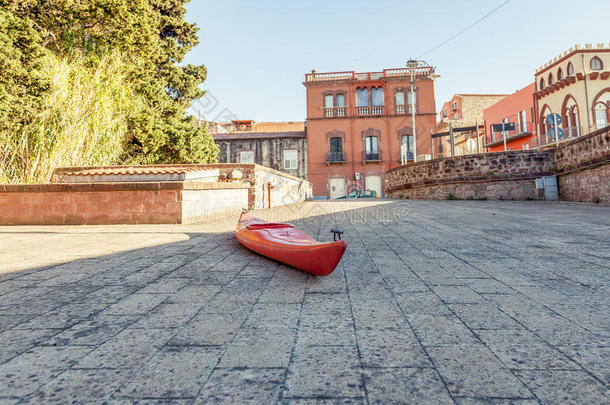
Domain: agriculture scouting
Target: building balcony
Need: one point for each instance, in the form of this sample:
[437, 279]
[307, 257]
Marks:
[521, 131]
[419, 72]
[569, 133]
[404, 109]
[370, 111]
[374, 157]
[335, 157]
[334, 112]
[408, 157]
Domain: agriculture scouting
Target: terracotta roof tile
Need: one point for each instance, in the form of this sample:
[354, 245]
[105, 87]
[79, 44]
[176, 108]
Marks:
[131, 171]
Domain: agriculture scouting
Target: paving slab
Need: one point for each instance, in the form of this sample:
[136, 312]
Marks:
[464, 302]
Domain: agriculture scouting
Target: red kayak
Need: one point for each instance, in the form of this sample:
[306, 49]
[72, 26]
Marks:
[287, 244]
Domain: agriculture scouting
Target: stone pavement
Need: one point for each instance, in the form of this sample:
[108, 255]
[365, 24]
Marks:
[434, 302]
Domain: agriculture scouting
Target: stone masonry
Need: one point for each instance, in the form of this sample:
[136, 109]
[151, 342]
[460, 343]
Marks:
[582, 167]
[507, 307]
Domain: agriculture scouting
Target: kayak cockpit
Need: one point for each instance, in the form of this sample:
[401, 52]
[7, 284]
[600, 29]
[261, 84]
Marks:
[268, 225]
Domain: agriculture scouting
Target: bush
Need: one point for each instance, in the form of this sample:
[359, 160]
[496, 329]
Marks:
[82, 121]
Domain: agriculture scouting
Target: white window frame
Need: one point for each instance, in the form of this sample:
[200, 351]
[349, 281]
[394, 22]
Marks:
[291, 162]
[246, 153]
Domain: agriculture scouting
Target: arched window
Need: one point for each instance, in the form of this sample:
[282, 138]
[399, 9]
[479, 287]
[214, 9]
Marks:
[570, 69]
[559, 74]
[541, 84]
[362, 97]
[601, 115]
[335, 154]
[341, 100]
[596, 64]
[408, 141]
[550, 79]
[336, 145]
[601, 109]
[377, 96]
[399, 99]
[371, 148]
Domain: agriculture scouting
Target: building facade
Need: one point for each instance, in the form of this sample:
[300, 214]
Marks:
[517, 108]
[575, 85]
[357, 122]
[464, 110]
[278, 145]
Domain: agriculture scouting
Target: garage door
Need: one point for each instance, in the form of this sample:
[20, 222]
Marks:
[337, 187]
[373, 182]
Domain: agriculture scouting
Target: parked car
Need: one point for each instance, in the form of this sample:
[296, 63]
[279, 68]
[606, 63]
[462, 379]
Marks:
[360, 194]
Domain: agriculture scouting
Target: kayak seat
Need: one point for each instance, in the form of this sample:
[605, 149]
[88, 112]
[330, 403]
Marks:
[268, 225]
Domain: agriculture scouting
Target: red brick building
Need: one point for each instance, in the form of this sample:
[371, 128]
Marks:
[519, 109]
[356, 123]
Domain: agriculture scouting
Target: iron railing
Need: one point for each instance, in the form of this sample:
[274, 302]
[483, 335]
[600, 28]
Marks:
[335, 157]
[371, 156]
[568, 134]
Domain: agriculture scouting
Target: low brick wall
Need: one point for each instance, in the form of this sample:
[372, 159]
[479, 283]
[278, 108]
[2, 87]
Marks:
[171, 202]
[286, 189]
[581, 166]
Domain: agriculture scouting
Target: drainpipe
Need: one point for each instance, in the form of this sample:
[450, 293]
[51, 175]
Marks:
[269, 187]
[538, 130]
[584, 69]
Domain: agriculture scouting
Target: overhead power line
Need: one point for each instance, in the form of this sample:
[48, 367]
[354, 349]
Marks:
[465, 29]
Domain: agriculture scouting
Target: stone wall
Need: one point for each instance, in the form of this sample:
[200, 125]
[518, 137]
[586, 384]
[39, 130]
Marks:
[581, 166]
[480, 169]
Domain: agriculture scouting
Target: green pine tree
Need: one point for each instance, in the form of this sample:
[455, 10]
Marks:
[152, 37]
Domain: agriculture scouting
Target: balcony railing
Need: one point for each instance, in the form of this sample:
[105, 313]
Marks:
[363, 111]
[409, 156]
[335, 157]
[351, 75]
[334, 112]
[377, 110]
[374, 110]
[371, 156]
[405, 109]
[568, 134]
[522, 130]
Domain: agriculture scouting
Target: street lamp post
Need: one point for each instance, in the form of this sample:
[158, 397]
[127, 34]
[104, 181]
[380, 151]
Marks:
[413, 64]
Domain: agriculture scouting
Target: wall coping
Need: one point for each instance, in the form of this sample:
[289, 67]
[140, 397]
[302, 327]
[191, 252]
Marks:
[239, 166]
[472, 179]
[584, 138]
[119, 186]
[475, 156]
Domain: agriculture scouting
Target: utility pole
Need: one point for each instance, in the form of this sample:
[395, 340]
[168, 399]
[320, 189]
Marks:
[452, 140]
[504, 134]
[476, 131]
[431, 145]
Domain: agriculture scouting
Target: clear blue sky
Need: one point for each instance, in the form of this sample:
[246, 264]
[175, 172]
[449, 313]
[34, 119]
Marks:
[257, 51]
